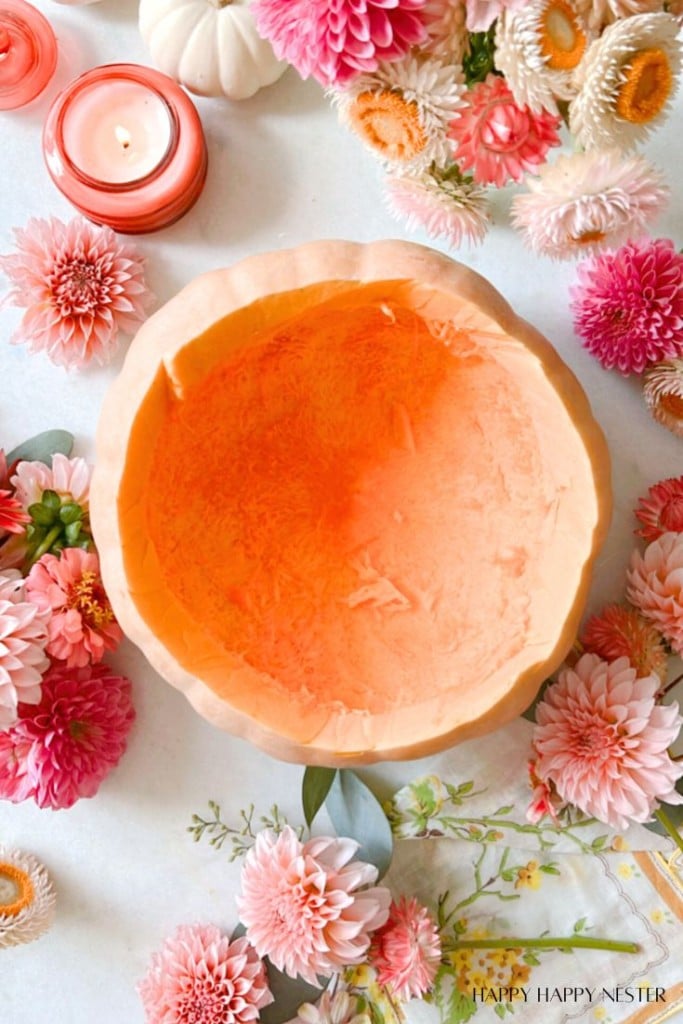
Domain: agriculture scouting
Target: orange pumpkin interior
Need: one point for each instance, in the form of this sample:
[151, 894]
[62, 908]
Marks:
[351, 493]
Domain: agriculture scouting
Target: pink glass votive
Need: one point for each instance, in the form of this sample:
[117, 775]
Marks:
[28, 53]
[125, 145]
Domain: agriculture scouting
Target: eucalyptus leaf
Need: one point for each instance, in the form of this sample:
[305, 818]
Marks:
[530, 713]
[289, 994]
[674, 813]
[356, 812]
[42, 447]
[314, 788]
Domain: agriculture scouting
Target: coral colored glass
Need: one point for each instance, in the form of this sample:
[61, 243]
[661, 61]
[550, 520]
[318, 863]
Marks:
[28, 53]
[125, 145]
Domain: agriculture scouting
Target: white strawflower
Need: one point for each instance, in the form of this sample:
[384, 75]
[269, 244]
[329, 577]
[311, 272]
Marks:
[402, 111]
[447, 35]
[441, 202]
[627, 81]
[27, 898]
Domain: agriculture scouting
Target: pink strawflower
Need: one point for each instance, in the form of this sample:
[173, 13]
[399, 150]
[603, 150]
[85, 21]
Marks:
[661, 510]
[23, 637]
[200, 977]
[602, 740]
[442, 203]
[628, 305]
[69, 478]
[79, 286]
[406, 951]
[544, 799]
[334, 40]
[620, 632]
[497, 140]
[12, 516]
[61, 750]
[82, 627]
[306, 906]
[655, 586]
[481, 14]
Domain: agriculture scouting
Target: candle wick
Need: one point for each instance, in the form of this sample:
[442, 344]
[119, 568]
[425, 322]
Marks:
[5, 43]
[122, 137]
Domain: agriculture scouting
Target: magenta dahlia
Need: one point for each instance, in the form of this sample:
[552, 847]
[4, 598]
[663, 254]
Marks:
[333, 40]
[79, 286]
[200, 977]
[406, 951]
[62, 748]
[628, 305]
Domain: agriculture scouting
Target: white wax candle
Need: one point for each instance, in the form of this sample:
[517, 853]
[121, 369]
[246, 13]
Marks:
[116, 131]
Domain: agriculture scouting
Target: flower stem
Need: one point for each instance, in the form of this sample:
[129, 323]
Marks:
[575, 942]
[669, 827]
[46, 544]
[670, 686]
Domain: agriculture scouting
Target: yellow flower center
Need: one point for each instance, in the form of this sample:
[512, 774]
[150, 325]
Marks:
[87, 596]
[562, 40]
[646, 87]
[389, 124]
[587, 237]
[16, 890]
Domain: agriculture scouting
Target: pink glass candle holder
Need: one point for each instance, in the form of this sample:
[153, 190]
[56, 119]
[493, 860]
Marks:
[28, 53]
[125, 145]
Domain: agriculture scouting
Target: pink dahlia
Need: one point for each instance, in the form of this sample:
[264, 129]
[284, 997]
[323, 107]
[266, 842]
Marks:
[12, 516]
[79, 286]
[306, 905]
[406, 951]
[619, 632]
[65, 746]
[628, 305]
[23, 637]
[497, 140]
[661, 510]
[69, 478]
[200, 977]
[69, 588]
[602, 740]
[655, 586]
[334, 40]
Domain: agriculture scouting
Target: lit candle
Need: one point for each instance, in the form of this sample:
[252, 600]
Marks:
[28, 53]
[125, 145]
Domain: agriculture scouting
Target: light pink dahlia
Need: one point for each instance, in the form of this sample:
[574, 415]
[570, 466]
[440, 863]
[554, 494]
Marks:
[79, 286]
[628, 305]
[334, 40]
[306, 906]
[200, 977]
[23, 637]
[497, 140]
[70, 478]
[588, 201]
[61, 750]
[655, 586]
[620, 632]
[69, 588]
[406, 951]
[661, 510]
[602, 740]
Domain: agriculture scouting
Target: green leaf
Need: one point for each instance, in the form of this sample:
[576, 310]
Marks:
[549, 869]
[502, 811]
[599, 843]
[499, 1010]
[674, 813]
[42, 447]
[314, 788]
[580, 925]
[357, 813]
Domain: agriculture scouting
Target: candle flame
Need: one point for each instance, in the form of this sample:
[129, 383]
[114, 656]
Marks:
[122, 136]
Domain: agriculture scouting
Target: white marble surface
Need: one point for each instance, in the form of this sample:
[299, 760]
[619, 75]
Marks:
[281, 172]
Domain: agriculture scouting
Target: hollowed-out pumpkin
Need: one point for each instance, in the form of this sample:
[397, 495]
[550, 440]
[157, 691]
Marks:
[348, 502]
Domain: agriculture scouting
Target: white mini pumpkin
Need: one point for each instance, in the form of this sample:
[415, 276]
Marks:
[209, 46]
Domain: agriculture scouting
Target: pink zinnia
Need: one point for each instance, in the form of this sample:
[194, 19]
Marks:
[79, 286]
[602, 740]
[334, 40]
[62, 749]
[655, 586]
[661, 510]
[497, 140]
[406, 951]
[200, 977]
[306, 905]
[628, 305]
[619, 632]
[82, 627]
[23, 636]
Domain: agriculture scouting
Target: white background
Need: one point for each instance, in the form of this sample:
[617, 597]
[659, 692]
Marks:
[281, 172]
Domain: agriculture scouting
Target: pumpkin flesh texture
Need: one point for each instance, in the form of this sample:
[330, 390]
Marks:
[350, 508]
